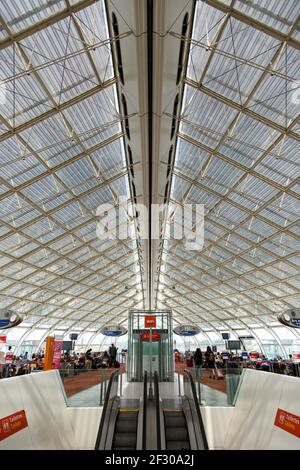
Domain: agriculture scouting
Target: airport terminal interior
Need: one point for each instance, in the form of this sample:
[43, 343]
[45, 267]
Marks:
[149, 225]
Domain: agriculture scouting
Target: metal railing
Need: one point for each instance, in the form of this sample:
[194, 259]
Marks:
[145, 398]
[191, 395]
[157, 410]
[112, 391]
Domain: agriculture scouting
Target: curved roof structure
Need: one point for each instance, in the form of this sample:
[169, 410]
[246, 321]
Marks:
[210, 111]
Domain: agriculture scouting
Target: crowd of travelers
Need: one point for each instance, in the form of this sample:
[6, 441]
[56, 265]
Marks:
[15, 365]
[214, 362]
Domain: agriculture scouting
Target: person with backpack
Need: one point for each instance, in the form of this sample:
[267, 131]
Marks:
[210, 361]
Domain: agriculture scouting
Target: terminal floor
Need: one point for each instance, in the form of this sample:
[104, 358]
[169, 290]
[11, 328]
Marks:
[86, 379]
[219, 385]
[90, 397]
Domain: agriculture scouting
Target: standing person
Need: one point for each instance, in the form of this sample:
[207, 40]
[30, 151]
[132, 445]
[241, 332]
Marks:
[88, 358]
[210, 361]
[112, 355]
[198, 360]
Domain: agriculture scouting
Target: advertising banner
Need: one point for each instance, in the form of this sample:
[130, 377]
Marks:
[2, 339]
[296, 357]
[288, 422]
[146, 336]
[57, 354]
[9, 357]
[12, 424]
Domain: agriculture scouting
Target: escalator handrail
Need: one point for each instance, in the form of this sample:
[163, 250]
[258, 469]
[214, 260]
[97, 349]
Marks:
[157, 406]
[144, 439]
[105, 408]
[195, 399]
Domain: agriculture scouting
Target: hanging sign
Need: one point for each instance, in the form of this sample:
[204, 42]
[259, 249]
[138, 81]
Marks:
[9, 319]
[113, 330]
[290, 318]
[186, 330]
[150, 321]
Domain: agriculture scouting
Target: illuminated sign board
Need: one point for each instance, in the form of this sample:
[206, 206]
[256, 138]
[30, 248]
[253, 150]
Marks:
[113, 330]
[186, 330]
[290, 318]
[9, 319]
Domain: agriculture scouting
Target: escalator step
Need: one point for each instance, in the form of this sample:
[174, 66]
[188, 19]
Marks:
[124, 448]
[128, 425]
[173, 413]
[177, 434]
[178, 445]
[175, 421]
[124, 440]
[127, 416]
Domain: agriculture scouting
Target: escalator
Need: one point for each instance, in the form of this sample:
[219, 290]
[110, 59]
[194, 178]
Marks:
[123, 421]
[126, 427]
[179, 420]
[176, 431]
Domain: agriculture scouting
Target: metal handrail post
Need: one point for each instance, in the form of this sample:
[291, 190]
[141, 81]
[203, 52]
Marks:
[121, 383]
[179, 386]
[101, 392]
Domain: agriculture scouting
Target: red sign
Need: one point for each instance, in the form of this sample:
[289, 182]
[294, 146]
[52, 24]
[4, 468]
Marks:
[12, 424]
[288, 422]
[2, 339]
[146, 336]
[9, 357]
[57, 354]
[296, 357]
[150, 321]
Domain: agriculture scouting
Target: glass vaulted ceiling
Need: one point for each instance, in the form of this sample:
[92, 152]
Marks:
[237, 152]
[61, 155]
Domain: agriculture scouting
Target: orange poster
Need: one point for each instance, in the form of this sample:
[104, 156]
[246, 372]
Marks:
[150, 321]
[12, 424]
[48, 361]
[288, 422]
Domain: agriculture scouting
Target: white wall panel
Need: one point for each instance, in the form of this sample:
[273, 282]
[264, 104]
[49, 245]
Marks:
[86, 423]
[252, 424]
[42, 398]
[216, 423]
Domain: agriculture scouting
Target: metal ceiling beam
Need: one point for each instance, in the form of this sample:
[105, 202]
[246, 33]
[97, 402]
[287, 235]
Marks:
[254, 23]
[46, 22]
[243, 109]
[58, 109]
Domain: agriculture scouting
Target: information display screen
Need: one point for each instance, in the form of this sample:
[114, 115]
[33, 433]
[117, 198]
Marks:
[234, 344]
